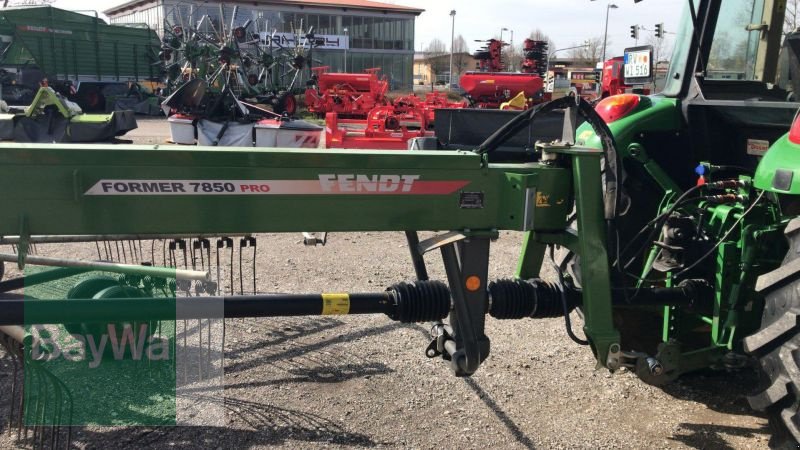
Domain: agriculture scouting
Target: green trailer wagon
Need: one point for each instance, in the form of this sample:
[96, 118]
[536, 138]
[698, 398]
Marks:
[79, 54]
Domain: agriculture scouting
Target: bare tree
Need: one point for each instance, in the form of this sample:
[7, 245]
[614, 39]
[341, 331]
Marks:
[790, 19]
[662, 48]
[435, 57]
[461, 56]
[591, 53]
[516, 55]
[539, 35]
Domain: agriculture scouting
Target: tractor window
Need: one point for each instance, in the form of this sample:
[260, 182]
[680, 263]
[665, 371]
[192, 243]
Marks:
[733, 51]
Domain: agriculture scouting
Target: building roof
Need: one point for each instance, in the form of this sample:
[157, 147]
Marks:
[368, 5]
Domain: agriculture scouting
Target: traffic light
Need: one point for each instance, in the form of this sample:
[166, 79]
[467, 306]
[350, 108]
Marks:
[659, 30]
[635, 31]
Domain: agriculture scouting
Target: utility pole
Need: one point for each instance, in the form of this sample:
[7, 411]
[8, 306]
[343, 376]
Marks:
[347, 44]
[605, 34]
[452, 40]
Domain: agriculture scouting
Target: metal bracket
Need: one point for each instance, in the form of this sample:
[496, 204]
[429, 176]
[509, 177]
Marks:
[467, 272]
[440, 241]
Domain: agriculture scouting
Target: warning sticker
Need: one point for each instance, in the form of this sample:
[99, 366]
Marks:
[335, 304]
[757, 147]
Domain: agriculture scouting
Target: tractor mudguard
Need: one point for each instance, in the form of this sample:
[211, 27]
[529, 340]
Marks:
[779, 169]
[653, 113]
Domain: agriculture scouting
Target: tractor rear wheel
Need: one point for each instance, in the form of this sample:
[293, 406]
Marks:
[777, 344]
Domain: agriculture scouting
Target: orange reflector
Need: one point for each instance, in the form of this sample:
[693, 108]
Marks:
[617, 106]
[794, 132]
[473, 283]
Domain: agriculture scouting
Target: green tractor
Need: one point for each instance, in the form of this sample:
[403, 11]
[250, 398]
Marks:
[709, 206]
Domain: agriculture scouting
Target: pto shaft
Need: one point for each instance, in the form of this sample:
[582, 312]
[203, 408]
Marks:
[422, 301]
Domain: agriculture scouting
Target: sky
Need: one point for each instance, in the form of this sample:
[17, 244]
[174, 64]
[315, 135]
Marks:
[567, 22]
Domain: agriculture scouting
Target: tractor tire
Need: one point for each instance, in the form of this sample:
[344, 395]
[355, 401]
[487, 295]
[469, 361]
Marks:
[776, 345]
[286, 103]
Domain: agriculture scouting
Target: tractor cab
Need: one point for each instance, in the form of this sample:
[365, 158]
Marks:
[730, 75]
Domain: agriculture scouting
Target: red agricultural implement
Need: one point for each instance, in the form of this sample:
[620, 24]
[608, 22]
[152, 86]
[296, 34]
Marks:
[491, 87]
[385, 129]
[432, 102]
[351, 95]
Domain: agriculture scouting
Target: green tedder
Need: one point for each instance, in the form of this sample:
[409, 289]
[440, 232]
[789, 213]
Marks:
[672, 220]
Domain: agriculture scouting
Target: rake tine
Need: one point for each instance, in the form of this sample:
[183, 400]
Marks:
[193, 246]
[254, 264]
[97, 244]
[241, 279]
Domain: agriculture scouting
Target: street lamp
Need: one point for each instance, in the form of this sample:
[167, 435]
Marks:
[609, 7]
[511, 47]
[547, 69]
[452, 40]
[347, 44]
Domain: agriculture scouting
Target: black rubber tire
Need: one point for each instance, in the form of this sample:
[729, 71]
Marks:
[777, 345]
[286, 102]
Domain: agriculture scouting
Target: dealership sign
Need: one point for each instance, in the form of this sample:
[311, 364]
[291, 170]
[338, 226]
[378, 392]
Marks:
[323, 41]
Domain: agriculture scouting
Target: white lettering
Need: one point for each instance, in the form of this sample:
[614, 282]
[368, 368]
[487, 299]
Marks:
[326, 182]
[45, 344]
[76, 351]
[389, 183]
[365, 183]
[118, 345]
[162, 345]
[346, 183]
[97, 350]
[408, 182]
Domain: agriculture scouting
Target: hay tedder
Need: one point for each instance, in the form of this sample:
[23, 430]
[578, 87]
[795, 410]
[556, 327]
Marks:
[671, 223]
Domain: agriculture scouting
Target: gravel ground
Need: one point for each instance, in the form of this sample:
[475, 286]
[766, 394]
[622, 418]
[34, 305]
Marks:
[365, 382]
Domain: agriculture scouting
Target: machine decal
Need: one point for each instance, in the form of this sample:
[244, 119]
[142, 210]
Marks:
[335, 304]
[542, 200]
[757, 147]
[471, 200]
[327, 184]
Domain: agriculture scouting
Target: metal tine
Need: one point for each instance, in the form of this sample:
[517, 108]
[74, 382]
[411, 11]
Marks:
[63, 401]
[99, 256]
[124, 255]
[37, 408]
[255, 247]
[193, 246]
[247, 241]
[116, 244]
[242, 244]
